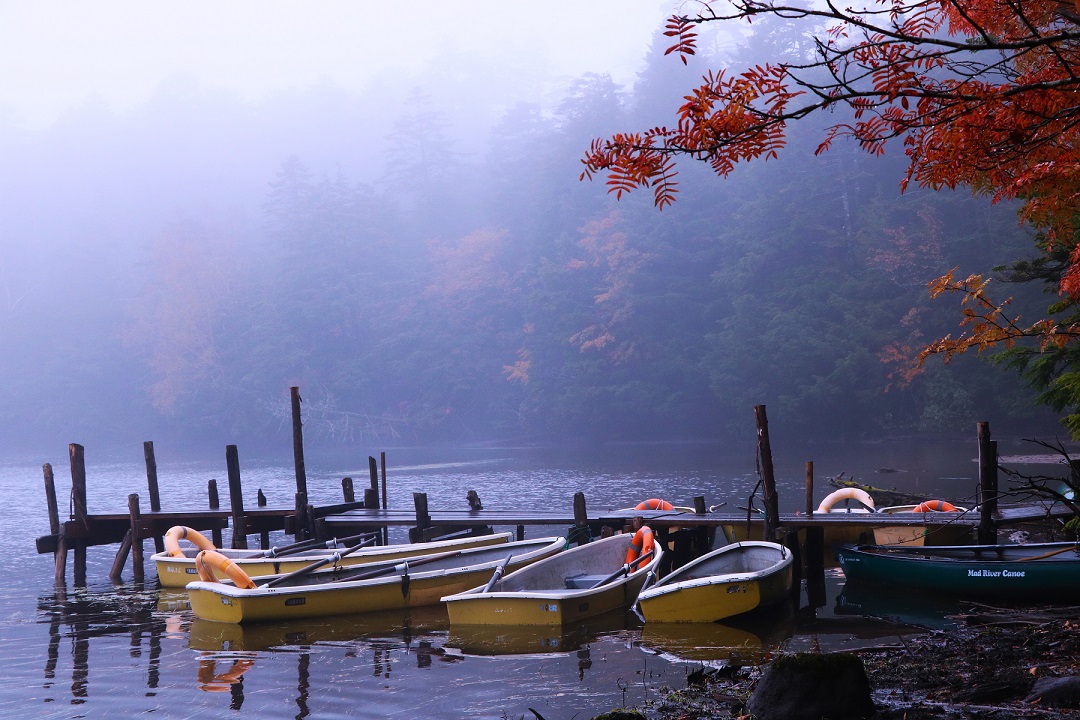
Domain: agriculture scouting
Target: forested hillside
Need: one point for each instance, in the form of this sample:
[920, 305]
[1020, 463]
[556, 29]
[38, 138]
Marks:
[427, 282]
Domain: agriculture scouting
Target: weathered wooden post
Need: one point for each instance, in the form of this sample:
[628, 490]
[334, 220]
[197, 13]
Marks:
[815, 548]
[78, 504]
[264, 535]
[988, 485]
[60, 552]
[385, 528]
[215, 503]
[768, 480]
[298, 462]
[348, 494]
[423, 519]
[236, 499]
[580, 532]
[152, 485]
[373, 473]
[136, 537]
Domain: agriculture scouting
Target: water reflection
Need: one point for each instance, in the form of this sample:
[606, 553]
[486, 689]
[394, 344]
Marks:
[524, 640]
[740, 641]
[84, 614]
[896, 606]
[393, 628]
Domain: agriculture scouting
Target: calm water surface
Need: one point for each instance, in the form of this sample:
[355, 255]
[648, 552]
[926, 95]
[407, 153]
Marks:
[110, 650]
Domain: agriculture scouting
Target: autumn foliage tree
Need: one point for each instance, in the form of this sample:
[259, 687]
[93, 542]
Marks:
[981, 94]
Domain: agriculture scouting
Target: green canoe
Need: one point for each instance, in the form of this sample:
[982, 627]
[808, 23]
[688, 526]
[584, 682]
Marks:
[1034, 572]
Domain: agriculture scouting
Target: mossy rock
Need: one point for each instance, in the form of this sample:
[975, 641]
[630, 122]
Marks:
[812, 686]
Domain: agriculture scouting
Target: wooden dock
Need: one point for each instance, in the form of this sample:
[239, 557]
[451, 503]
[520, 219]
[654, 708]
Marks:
[348, 518]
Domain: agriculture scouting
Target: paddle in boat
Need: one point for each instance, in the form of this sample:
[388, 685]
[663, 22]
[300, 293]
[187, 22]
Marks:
[1033, 572]
[935, 534]
[176, 565]
[315, 591]
[582, 582]
[730, 581]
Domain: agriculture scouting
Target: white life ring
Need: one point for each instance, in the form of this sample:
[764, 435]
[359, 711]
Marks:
[844, 494]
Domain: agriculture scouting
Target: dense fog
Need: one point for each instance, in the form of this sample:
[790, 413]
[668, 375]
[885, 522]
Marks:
[421, 259]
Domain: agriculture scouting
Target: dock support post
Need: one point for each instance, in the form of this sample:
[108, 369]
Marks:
[298, 462]
[136, 537]
[152, 486]
[60, 553]
[348, 494]
[236, 499]
[78, 503]
[988, 485]
[768, 480]
[382, 467]
[264, 535]
[215, 503]
[423, 520]
[373, 472]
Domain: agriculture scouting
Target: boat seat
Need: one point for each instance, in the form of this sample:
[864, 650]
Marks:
[583, 581]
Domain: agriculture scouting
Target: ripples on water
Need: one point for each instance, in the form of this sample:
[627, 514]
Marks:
[110, 650]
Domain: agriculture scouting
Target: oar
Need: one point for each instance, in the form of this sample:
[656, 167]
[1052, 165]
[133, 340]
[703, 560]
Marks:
[306, 545]
[1047, 554]
[315, 565]
[498, 574]
[624, 570]
[401, 567]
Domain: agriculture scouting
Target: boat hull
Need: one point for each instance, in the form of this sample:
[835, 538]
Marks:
[1034, 572]
[937, 534]
[548, 594]
[322, 596]
[177, 572]
[725, 583]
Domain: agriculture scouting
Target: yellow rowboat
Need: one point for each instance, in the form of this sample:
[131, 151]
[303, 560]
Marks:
[177, 572]
[733, 580]
[409, 582]
[937, 534]
[582, 582]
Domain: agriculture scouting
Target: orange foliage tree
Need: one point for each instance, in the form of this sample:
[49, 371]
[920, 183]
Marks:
[981, 93]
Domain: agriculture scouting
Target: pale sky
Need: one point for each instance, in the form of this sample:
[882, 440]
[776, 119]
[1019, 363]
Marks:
[56, 55]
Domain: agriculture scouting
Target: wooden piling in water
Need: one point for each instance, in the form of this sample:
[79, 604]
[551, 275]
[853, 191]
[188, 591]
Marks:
[423, 519]
[348, 494]
[768, 479]
[236, 499]
[385, 529]
[298, 463]
[136, 537]
[78, 506]
[152, 486]
[264, 535]
[215, 504]
[988, 485]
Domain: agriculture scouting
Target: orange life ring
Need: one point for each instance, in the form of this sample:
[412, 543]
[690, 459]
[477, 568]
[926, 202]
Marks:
[220, 682]
[641, 543]
[935, 506]
[209, 560]
[654, 504]
[178, 532]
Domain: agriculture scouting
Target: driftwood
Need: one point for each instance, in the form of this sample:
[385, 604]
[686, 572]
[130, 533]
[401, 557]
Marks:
[882, 497]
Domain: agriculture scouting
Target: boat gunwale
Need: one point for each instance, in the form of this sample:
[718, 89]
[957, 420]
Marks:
[665, 586]
[228, 588]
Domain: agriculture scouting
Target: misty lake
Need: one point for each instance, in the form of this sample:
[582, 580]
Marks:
[110, 650]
